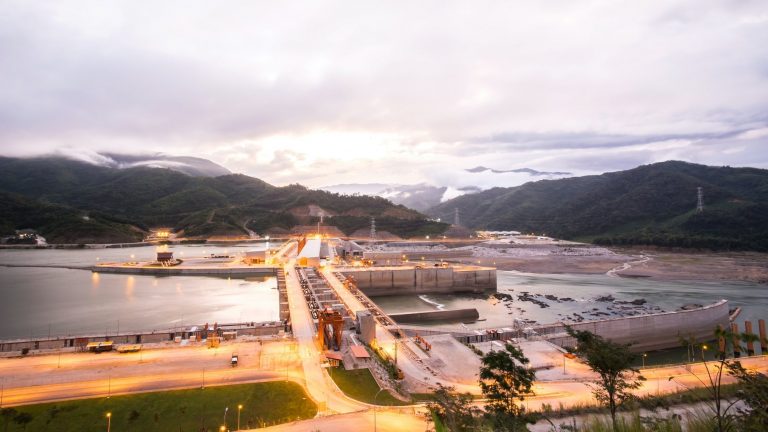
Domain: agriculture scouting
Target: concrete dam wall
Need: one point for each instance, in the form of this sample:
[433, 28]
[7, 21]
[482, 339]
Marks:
[187, 271]
[657, 331]
[469, 314]
[645, 332]
[410, 280]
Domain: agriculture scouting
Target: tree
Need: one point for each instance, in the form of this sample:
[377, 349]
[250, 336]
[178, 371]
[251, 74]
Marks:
[8, 414]
[505, 380]
[454, 410]
[753, 391]
[22, 419]
[613, 364]
[714, 383]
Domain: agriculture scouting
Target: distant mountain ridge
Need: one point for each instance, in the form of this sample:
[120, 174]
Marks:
[423, 196]
[132, 199]
[651, 204]
[193, 166]
[533, 172]
[418, 197]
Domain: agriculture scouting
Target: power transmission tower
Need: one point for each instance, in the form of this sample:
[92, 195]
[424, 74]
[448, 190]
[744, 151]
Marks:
[373, 230]
[456, 216]
[700, 205]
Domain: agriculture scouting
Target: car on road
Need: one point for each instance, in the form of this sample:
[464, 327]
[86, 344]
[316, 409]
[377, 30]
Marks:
[234, 359]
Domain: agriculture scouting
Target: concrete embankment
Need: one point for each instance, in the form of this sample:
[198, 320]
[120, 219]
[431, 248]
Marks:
[656, 331]
[644, 332]
[79, 342]
[187, 271]
[410, 280]
[380, 256]
[469, 314]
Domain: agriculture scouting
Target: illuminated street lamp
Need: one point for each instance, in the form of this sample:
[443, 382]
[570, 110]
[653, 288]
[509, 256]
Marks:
[109, 421]
[374, 409]
[644, 356]
[239, 408]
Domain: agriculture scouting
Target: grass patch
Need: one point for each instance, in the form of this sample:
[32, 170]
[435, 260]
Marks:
[182, 410]
[359, 384]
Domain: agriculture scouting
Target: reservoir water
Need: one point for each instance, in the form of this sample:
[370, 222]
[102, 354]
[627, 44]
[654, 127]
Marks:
[582, 292]
[38, 301]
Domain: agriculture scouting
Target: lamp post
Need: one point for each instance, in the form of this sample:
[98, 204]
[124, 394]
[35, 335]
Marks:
[644, 356]
[239, 408]
[109, 421]
[374, 408]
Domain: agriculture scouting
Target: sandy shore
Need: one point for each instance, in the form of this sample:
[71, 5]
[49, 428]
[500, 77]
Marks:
[628, 262]
[732, 266]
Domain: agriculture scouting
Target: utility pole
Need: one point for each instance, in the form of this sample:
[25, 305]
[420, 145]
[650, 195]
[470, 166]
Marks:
[456, 216]
[373, 230]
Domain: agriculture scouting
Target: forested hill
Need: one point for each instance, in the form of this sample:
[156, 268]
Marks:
[649, 205]
[58, 196]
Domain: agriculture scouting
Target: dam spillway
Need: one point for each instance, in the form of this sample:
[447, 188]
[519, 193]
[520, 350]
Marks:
[406, 280]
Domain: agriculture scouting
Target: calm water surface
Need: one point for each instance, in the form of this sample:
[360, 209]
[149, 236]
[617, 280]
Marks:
[37, 300]
[584, 289]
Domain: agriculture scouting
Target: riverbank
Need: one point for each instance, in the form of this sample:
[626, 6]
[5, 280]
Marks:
[636, 263]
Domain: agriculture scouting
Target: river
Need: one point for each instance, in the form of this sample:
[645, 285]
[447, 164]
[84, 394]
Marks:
[38, 301]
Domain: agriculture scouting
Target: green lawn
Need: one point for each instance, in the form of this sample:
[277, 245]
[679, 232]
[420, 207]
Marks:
[359, 384]
[176, 411]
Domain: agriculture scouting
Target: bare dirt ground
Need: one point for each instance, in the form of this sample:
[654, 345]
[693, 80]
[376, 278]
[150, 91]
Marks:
[655, 264]
[738, 266]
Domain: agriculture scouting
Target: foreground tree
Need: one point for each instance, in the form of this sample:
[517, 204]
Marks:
[505, 380]
[753, 391]
[613, 364]
[7, 414]
[453, 410]
[725, 421]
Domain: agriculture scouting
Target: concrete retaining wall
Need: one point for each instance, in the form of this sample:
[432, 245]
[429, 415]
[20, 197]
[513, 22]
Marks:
[645, 333]
[409, 280]
[413, 256]
[469, 314]
[176, 271]
[258, 329]
[657, 331]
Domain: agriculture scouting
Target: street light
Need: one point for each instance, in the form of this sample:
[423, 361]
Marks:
[374, 408]
[239, 408]
[644, 356]
[109, 421]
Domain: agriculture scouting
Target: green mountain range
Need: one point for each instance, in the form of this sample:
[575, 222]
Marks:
[649, 205]
[68, 201]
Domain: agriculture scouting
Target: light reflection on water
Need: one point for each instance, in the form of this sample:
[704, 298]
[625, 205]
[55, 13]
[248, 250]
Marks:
[79, 301]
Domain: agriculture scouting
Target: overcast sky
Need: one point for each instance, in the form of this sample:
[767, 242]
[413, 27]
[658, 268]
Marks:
[415, 91]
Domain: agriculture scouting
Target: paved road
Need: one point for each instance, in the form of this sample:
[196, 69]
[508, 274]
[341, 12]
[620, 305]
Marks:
[386, 421]
[46, 378]
[320, 386]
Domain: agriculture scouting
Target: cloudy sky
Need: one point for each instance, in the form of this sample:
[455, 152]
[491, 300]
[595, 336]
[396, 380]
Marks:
[356, 91]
